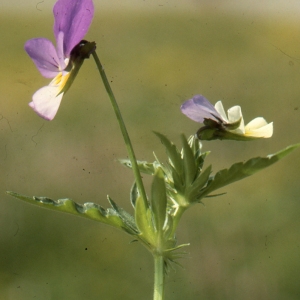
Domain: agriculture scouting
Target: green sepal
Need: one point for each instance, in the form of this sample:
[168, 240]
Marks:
[214, 130]
[209, 134]
[242, 170]
[78, 54]
[234, 125]
[159, 200]
[87, 210]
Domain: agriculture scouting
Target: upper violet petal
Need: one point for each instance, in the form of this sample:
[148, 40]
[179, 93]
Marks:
[73, 18]
[198, 108]
[44, 55]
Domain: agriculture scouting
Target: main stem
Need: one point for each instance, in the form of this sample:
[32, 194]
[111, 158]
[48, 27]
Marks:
[136, 171]
[158, 278]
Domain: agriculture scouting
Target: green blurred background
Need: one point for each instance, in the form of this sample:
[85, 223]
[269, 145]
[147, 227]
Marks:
[244, 245]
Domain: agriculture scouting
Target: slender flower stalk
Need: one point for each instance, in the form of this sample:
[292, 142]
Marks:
[136, 171]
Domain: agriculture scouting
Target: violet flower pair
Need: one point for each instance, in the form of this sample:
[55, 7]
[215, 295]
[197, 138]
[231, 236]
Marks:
[72, 19]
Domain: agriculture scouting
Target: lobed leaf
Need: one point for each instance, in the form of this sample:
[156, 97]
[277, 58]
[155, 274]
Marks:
[125, 217]
[242, 170]
[87, 210]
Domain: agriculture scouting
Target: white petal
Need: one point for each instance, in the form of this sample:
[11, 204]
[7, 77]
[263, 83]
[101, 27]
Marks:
[259, 128]
[256, 123]
[45, 101]
[234, 114]
[220, 109]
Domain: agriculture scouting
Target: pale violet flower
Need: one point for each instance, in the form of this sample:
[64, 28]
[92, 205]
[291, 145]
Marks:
[72, 19]
[218, 125]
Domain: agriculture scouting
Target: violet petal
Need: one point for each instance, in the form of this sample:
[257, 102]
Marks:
[73, 18]
[43, 54]
[60, 50]
[199, 108]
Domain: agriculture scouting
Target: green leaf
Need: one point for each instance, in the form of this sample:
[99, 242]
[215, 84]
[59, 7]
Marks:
[125, 217]
[189, 165]
[144, 166]
[198, 184]
[143, 220]
[172, 153]
[134, 194]
[169, 229]
[159, 200]
[242, 170]
[87, 210]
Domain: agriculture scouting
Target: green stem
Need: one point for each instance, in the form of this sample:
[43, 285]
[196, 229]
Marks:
[136, 171]
[158, 277]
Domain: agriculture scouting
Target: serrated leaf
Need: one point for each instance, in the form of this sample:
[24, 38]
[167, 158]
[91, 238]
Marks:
[242, 170]
[87, 210]
[125, 217]
[159, 200]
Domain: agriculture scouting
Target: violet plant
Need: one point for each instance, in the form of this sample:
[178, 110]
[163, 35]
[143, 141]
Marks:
[178, 183]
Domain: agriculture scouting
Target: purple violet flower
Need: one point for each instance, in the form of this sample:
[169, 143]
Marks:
[219, 126]
[72, 19]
